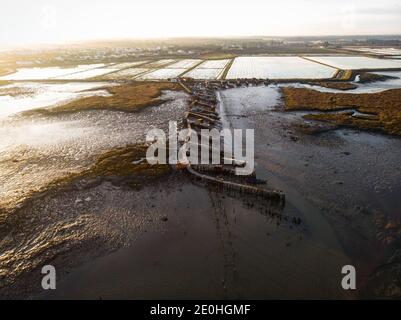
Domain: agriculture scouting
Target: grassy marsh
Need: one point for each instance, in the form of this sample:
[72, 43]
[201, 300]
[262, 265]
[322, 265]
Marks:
[129, 97]
[386, 106]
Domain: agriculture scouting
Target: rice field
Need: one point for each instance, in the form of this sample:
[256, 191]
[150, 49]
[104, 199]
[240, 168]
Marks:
[47, 73]
[377, 51]
[87, 74]
[126, 65]
[126, 74]
[159, 63]
[206, 74]
[272, 67]
[209, 69]
[355, 62]
[214, 64]
[184, 64]
[162, 74]
[278, 68]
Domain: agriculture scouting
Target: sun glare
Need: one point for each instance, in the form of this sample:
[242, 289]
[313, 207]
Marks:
[28, 22]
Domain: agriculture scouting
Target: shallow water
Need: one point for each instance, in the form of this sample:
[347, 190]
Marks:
[47, 73]
[211, 246]
[184, 64]
[39, 95]
[214, 246]
[162, 74]
[393, 52]
[200, 73]
[372, 87]
[357, 62]
[37, 150]
[213, 64]
[87, 74]
[330, 178]
[278, 68]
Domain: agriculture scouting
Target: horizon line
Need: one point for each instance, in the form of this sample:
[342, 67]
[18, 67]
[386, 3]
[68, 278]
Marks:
[100, 40]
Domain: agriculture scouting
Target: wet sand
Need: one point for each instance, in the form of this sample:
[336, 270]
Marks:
[211, 246]
[345, 181]
[36, 150]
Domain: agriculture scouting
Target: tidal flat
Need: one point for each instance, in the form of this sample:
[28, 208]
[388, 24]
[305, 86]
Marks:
[76, 194]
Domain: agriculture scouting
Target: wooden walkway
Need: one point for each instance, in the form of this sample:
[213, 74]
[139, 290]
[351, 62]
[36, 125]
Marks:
[202, 114]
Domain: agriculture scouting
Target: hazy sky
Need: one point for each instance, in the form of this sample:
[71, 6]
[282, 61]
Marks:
[24, 22]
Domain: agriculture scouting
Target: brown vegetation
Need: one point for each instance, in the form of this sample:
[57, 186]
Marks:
[128, 162]
[226, 69]
[128, 98]
[14, 91]
[344, 75]
[41, 230]
[122, 165]
[385, 105]
[337, 85]
[366, 77]
[3, 71]
[6, 71]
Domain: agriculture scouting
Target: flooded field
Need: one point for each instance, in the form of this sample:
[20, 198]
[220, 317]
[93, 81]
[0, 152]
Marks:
[357, 62]
[184, 64]
[48, 73]
[18, 97]
[126, 74]
[212, 69]
[87, 74]
[206, 74]
[163, 74]
[127, 64]
[278, 68]
[214, 64]
[159, 63]
[377, 51]
[369, 87]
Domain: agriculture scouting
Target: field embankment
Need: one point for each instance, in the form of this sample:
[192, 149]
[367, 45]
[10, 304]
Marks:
[336, 85]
